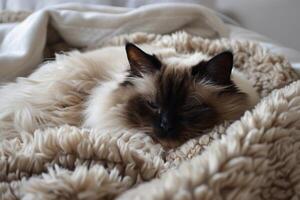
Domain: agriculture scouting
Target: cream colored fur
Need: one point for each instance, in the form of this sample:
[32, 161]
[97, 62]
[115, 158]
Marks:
[245, 86]
[38, 102]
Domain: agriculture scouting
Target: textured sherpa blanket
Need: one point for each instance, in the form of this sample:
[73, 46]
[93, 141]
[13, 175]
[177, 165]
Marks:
[255, 157]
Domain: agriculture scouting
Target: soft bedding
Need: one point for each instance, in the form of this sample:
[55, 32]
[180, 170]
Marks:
[36, 39]
[256, 156]
[82, 26]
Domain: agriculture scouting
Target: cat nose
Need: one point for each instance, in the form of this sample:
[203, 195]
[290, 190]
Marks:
[164, 123]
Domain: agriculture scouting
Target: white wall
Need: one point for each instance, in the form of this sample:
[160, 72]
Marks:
[277, 19]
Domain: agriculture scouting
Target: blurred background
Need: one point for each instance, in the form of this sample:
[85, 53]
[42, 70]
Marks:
[277, 19]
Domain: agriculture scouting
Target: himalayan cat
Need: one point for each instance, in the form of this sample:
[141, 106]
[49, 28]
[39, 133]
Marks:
[171, 99]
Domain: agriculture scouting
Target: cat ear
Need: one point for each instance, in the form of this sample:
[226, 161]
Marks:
[141, 62]
[217, 69]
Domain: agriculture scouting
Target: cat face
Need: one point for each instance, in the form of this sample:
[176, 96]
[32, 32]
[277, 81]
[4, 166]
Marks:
[174, 104]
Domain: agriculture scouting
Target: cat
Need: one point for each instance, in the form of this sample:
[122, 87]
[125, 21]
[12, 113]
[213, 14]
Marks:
[172, 98]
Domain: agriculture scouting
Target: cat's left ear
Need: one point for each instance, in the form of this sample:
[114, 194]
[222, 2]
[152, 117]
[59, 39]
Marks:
[141, 62]
[217, 69]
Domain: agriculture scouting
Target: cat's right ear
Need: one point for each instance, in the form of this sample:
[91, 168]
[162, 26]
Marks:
[217, 69]
[141, 62]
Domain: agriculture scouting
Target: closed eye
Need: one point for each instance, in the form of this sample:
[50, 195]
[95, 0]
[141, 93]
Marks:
[190, 108]
[152, 105]
[195, 113]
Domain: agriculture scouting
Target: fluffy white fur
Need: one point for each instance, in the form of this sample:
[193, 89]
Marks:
[77, 87]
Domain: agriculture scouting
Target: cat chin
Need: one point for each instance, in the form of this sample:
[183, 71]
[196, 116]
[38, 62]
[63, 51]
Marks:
[168, 144]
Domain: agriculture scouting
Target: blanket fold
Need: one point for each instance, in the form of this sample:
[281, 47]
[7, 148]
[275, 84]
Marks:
[83, 25]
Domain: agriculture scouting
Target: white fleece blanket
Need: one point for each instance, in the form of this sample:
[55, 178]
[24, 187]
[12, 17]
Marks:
[82, 25]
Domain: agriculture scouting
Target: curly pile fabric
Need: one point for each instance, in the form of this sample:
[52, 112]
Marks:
[255, 157]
